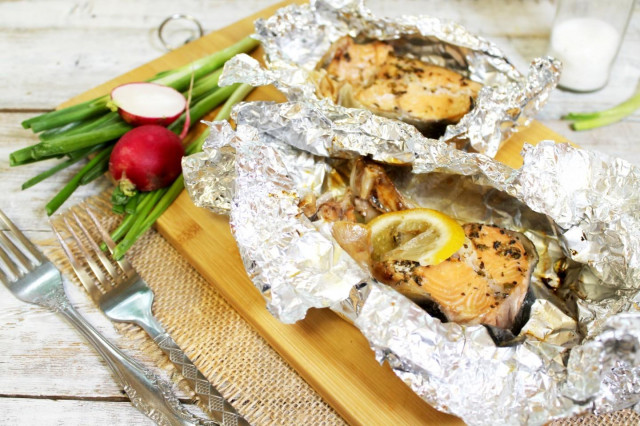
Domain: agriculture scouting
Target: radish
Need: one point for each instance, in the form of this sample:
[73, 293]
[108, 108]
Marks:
[146, 158]
[148, 103]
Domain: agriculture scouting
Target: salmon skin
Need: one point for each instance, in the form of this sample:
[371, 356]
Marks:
[486, 281]
[371, 76]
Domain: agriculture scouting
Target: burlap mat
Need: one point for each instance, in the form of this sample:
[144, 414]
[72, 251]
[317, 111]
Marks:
[234, 357]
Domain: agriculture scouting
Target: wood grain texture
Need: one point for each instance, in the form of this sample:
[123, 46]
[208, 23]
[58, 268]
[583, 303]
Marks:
[50, 412]
[51, 50]
[61, 364]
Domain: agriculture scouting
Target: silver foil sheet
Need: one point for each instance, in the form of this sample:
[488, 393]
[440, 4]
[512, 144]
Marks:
[579, 349]
[297, 37]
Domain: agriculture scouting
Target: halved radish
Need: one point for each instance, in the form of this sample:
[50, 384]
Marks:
[148, 103]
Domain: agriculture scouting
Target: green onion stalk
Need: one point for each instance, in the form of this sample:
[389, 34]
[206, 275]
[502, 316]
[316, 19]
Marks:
[66, 144]
[80, 126]
[97, 168]
[74, 157]
[60, 138]
[74, 183]
[135, 227]
[178, 79]
[592, 120]
[67, 115]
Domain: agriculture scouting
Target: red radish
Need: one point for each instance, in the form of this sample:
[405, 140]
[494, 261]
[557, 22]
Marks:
[148, 103]
[146, 158]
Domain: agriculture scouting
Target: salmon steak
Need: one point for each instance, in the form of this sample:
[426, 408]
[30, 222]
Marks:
[371, 76]
[484, 282]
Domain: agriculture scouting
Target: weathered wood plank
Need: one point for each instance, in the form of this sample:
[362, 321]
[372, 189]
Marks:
[43, 355]
[34, 77]
[70, 46]
[491, 17]
[122, 14]
[45, 412]
[521, 28]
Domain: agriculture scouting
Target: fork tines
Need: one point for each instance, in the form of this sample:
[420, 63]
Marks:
[17, 254]
[103, 269]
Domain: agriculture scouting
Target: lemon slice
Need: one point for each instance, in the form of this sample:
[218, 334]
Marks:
[420, 235]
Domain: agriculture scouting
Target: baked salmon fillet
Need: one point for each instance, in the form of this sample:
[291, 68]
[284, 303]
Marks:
[371, 76]
[484, 282]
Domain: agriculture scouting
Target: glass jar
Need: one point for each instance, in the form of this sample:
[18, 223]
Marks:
[586, 36]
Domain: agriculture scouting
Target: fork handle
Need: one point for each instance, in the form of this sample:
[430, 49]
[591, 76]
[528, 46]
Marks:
[217, 406]
[148, 393]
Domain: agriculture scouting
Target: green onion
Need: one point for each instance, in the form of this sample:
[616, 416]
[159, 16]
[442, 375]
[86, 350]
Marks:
[127, 222]
[21, 156]
[63, 145]
[206, 84]
[85, 126]
[73, 184]
[27, 156]
[96, 171]
[178, 79]
[74, 157]
[55, 115]
[591, 120]
[79, 126]
[62, 119]
[52, 133]
[132, 204]
[161, 201]
[91, 126]
[202, 107]
[135, 230]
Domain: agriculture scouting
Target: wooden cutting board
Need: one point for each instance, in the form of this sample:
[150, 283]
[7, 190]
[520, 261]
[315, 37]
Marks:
[328, 352]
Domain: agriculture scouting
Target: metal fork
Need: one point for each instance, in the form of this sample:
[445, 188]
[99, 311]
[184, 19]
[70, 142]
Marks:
[32, 278]
[124, 297]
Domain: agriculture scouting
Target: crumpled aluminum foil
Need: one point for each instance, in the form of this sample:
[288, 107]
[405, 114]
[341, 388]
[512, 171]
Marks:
[320, 273]
[578, 351]
[297, 37]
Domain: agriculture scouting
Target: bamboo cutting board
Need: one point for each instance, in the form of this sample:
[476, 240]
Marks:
[327, 352]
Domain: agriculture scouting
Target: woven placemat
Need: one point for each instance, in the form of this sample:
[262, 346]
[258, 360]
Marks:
[233, 356]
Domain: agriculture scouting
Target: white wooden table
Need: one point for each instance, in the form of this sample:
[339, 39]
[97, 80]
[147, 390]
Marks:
[51, 50]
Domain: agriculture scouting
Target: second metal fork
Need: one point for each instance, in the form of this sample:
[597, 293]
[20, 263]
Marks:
[124, 297]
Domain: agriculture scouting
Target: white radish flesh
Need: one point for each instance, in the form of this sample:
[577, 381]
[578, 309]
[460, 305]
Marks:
[148, 103]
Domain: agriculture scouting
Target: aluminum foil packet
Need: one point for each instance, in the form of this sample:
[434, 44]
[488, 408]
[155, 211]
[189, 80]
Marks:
[297, 37]
[579, 349]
